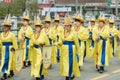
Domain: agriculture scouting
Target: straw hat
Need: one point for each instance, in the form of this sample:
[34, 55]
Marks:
[7, 23]
[38, 23]
[78, 17]
[26, 15]
[48, 18]
[102, 18]
[56, 17]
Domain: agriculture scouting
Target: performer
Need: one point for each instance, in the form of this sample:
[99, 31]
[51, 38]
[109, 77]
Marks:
[102, 46]
[38, 40]
[50, 32]
[8, 44]
[69, 48]
[59, 31]
[90, 42]
[82, 34]
[113, 34]
[24, 35]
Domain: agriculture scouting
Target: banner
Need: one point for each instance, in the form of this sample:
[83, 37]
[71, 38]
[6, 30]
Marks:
[7, 1]
[18, 60]
[46, 56]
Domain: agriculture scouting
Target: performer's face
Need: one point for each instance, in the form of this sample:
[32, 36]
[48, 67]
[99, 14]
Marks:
[56, 23]
[6, 28]
[111, 24]
[67, 27]
[77, 23]
[37, 28]
[25, 22]
[101, 24]
[92, 23]
[47, 24]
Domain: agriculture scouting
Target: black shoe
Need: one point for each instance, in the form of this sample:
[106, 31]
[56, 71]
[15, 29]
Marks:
[24, 65]
[42, 76]
[72, 77]
[67, 78]
[37, 78]
[11, 74]
[4, 77]
[101, 69]
[58, 59]
[79, 68]
[29, 63]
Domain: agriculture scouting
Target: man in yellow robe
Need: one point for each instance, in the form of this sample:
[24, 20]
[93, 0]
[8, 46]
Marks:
[38, 39]
[90, 42]
[24, 35]
[59, 31]
[82, 34]
[50, 32]
[102, 45]
[69, 48]
[8, 43]
[113, 34]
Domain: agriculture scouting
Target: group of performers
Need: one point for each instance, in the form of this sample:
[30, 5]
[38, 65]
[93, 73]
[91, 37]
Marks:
[70, 44]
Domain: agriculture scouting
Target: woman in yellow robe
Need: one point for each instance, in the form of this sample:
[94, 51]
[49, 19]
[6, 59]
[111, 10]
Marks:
[39, 38]
[82, 34]
[50, 32]
[113, 33]
[58, 30]
[90, 41]
[69, 48]
[102, 45]
[8, 42]
[24, 36]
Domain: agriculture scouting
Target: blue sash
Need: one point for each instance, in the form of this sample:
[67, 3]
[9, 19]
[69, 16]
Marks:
[7, 54]
[70, 49]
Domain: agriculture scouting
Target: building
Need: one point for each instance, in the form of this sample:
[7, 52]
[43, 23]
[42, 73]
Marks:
[91, 7]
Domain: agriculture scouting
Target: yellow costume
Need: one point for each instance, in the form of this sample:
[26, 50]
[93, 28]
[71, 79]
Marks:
[50, 32]
[90, 42]
[82, 34]
[69, 49]
[59, 31]
[8, 41]
[37, 68]
[24, 42]
[113, 32]
[102, 47]
[68, 60]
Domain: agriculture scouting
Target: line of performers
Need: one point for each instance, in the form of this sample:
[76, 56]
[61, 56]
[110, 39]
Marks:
[71, 44]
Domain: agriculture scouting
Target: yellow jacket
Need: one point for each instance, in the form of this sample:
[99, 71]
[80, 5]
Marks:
[25, 42]
[7, 43]
[37, 54]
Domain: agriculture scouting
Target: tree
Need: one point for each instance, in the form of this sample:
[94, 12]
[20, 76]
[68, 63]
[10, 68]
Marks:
[17, 7]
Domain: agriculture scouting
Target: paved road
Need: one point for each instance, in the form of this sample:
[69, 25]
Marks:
[88, 72]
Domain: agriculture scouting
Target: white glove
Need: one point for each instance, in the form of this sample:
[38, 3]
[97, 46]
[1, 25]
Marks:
[56, 43]
[47, 33]
[112, 35]
[28, 46]
[22, 38]
[76, 32]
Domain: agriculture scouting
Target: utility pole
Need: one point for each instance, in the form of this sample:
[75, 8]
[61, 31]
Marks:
[116, 9]
[76, 5]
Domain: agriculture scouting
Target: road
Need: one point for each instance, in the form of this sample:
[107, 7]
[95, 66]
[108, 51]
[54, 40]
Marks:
[88, 72]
